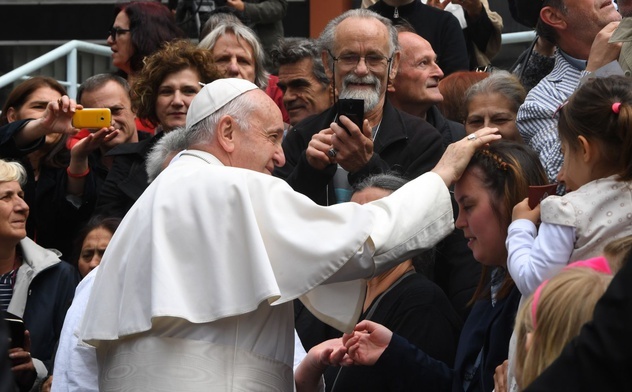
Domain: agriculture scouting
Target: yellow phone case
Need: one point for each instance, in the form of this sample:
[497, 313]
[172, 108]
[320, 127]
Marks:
[92, 118]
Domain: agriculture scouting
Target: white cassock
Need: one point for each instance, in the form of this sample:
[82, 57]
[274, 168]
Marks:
[195, 288]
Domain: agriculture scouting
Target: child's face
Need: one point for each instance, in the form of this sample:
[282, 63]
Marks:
[575, 171]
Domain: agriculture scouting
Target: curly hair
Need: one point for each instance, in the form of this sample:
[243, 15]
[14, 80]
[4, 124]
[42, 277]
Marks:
[174, 57]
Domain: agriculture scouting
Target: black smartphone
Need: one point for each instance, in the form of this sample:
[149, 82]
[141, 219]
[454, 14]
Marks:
[352, 108]
[16, 330]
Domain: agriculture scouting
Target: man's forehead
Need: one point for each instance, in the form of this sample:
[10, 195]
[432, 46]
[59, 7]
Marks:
[111, 91]
[350, 27]
[302, 68]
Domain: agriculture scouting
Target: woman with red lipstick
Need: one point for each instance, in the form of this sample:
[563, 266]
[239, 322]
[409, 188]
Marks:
[495, 179]
[161, 94]
[35, 285]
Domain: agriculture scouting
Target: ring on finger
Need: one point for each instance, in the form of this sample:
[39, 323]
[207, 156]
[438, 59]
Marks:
[332, 152]
[471, 136]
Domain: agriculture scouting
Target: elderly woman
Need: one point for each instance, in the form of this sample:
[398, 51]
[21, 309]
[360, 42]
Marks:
[35, 284]
[493, 102]
[162, 93]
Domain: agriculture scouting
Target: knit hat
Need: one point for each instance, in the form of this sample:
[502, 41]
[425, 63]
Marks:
[214, 96]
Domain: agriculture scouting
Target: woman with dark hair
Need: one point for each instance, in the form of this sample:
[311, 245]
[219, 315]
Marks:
[494, 180]
[92, 241]
[139, 29]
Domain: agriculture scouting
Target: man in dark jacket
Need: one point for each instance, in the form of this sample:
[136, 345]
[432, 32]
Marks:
[359, 51]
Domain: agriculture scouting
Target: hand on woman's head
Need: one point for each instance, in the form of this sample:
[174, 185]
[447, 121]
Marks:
[457, 156]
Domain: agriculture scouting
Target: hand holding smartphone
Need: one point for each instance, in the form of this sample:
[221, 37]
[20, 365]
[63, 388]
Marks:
[16, 330]
[92, 118]
[537, 193]
[353, 109]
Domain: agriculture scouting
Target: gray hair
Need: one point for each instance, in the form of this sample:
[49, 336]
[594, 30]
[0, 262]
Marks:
[203, 131]
[241, 32]
[498, 82]
[170, 144]
[215, 20]
[95, 82]
[12, 171]
[386, 181]
[293, 50]
[326, 39]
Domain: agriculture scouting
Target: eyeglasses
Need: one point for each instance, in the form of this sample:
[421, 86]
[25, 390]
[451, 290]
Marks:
[372, 61]
[114, 31]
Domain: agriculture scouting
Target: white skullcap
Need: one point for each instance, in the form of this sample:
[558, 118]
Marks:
[214, 96]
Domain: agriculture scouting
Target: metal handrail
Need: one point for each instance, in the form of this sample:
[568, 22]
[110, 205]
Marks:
[517, 38]
[69, 49]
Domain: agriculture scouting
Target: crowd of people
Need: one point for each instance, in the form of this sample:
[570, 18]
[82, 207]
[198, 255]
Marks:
[233, 228]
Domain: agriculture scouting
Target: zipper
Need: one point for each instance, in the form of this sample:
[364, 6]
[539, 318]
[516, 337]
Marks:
[396, 13]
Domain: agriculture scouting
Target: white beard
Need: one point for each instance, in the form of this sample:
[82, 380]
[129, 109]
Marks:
[371, 97]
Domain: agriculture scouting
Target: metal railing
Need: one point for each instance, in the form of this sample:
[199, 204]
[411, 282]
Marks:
[517, 38]
[70, 50]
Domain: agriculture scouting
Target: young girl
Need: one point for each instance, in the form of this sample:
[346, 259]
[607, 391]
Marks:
[553, 316]
[595, 129]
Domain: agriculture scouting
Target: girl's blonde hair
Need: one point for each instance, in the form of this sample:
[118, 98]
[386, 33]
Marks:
[617, 252]
[565, 304]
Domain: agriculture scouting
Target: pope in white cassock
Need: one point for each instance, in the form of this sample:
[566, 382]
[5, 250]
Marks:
[195, 290]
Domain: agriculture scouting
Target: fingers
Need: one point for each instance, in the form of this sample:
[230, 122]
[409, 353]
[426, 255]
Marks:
[365, 325]
[317, 150]
[484, 136]
[65, 104]
[19, 357]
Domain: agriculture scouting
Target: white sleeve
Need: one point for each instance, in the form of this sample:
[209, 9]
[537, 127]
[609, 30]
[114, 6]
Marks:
[533, 256]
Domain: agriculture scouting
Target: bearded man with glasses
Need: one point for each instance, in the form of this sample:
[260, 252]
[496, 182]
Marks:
[360, 52]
